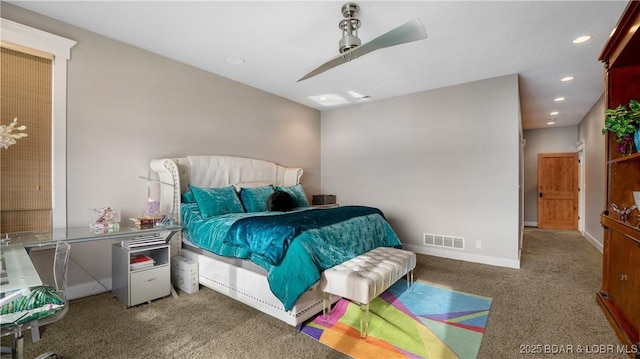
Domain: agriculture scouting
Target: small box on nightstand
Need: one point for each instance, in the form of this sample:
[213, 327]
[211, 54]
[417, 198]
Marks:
[184, 274]
[323, 199]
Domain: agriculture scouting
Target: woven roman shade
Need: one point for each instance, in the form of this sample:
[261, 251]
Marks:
[25, 167]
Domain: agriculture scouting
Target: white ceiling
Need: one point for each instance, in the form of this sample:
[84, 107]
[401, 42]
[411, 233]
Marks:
[281, 41]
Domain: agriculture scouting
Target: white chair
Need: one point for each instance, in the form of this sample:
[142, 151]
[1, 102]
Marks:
[30, 310]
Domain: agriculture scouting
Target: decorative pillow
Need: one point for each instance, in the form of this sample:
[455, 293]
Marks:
[255, 199]
[280, 201]
[298, 195]
[41, 302]
[216, 201]
[187, 197]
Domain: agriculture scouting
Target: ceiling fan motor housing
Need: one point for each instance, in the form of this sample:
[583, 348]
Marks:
[349, 27]
[351, 47]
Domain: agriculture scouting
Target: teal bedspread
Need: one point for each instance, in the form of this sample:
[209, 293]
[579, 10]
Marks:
[322, 239]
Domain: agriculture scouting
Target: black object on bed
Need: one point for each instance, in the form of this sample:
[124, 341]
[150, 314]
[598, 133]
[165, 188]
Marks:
[280, 201]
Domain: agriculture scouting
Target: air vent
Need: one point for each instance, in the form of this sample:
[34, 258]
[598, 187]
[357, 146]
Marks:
[439, 240]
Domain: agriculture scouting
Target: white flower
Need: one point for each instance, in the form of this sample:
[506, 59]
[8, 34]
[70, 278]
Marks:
[7, 138]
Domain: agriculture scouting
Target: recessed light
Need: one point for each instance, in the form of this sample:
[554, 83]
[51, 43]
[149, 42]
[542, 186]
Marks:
[582, 39]
[551, 121]
[565, 79]
[554, 113]
[558, 99]
[329, 99]
[235, 60]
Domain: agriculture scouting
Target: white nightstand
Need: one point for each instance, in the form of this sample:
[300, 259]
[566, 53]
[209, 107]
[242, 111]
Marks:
[138, 285]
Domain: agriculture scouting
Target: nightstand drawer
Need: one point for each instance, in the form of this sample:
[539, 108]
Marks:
[150, 284]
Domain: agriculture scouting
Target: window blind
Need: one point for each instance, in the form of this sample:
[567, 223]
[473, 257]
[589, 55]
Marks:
[25, 167]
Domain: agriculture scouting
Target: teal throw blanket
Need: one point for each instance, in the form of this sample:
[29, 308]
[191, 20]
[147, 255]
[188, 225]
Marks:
[270, 236]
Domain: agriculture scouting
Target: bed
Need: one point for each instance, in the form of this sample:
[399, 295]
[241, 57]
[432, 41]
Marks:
[236, 258]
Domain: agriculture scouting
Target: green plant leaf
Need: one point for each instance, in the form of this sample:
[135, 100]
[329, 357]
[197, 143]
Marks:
[622, 121]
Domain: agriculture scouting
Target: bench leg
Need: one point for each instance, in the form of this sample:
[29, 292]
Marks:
[364, 323]
[410, 279]
[326, 297]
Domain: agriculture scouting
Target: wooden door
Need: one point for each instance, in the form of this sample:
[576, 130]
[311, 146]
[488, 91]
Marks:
[558, 190]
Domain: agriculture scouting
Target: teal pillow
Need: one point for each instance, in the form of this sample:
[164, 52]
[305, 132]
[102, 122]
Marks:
[216, 201]
[187, 197]
[255, 199]
[299, 197]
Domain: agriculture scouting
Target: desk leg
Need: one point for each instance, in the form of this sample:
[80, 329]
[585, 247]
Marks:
[35, 331]
[173, 292]
[17, 347]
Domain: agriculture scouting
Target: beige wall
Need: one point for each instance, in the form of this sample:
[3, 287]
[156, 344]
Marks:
[127, 106]
[590, 131]
[444, 162]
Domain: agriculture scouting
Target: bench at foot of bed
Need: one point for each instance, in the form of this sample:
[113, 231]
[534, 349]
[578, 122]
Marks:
[365, 277]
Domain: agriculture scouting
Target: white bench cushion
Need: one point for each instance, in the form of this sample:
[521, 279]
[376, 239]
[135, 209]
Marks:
[366, 276]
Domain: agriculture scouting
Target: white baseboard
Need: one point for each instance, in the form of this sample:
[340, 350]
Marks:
[463, 256]
[530, 224]
[594, 242]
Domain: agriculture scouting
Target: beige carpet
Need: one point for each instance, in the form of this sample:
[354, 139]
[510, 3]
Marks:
[549, 301]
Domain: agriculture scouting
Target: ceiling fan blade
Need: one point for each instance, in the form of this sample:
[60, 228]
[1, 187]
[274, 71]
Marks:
[338, 60]
[409, 32]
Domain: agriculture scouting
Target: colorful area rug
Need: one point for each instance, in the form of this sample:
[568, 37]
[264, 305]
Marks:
[423, 322]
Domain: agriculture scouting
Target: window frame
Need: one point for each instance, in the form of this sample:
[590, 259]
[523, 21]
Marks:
[60, 49]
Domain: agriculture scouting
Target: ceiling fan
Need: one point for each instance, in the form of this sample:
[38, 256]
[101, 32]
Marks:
[350, 45]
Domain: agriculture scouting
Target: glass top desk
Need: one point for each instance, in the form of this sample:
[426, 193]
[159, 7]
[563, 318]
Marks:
[32, 240]
[42, 240]
[17, 269]
[17, 272]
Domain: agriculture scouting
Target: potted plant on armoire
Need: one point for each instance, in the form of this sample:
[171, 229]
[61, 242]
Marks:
[619, 296]
[624, 122]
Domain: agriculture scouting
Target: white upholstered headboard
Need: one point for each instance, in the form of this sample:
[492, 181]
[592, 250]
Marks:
[176, 174]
